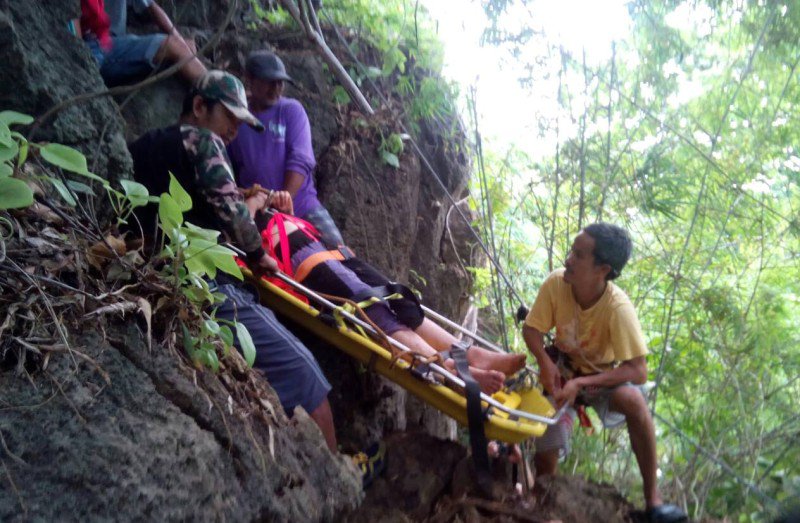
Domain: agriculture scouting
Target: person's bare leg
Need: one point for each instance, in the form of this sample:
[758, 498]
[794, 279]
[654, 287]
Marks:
[490, 380]
[440, 339]
[630, 402]
[546, 462]
[176, 49]
[323, 417]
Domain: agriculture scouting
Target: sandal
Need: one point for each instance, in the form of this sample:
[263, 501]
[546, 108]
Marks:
[371, 462]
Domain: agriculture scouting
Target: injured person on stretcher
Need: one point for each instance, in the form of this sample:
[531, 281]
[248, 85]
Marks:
[295, 245]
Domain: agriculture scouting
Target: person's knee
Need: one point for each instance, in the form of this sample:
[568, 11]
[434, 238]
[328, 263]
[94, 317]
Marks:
[546, 462]
[630, 402]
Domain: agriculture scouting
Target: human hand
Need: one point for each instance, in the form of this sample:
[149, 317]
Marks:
[549, 376]
[568, 393]
[282, 201]
[266, 264]
[257, 202]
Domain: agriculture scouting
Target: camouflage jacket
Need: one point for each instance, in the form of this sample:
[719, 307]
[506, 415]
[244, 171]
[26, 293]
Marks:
[214, 180]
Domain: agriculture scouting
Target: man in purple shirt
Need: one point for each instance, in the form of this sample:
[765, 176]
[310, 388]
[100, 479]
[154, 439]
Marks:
[281, 158]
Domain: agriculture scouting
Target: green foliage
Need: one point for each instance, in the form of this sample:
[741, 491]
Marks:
[193, 254]
[391, 148]
[690, 142]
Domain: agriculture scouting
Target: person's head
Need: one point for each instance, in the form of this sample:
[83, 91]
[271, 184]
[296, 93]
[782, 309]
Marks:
[264, 75]
[599, 253]
[218, 103]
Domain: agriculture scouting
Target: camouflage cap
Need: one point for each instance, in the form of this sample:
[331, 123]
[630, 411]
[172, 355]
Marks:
[223, 86]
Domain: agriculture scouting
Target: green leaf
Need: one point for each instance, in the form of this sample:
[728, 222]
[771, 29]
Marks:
[22, 142]
[246, 344]
[188, 341]
[210, 327]
[136, 193]
[340, 95]
[69, 159]
[12, 117]
[226, 335]
[5, 135]
[196, 294]
[8, 152]
[80, 187]
[224, 260]
[62, 190]
[390, 159]
[193, 231]
[210, 357]
[14, 194]
[181, 197]
[199, 258]
[5, 170]
[169, 213]
[23, 152]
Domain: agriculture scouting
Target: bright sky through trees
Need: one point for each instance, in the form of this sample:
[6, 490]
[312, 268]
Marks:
[508, 112]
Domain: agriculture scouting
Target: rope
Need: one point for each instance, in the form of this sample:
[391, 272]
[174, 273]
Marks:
[427, 164]
[487, 216]
[413, 357]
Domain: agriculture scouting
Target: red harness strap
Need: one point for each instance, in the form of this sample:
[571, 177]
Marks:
[278, 221]
[285, 260]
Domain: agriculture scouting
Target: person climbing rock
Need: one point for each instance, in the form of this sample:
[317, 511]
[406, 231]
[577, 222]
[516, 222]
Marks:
[599, 354]
[194, 152]
[123, 57]
[281, 158]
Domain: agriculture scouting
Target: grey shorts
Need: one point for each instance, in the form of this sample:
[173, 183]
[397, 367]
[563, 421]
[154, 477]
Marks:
[559, 436]
[288, 365]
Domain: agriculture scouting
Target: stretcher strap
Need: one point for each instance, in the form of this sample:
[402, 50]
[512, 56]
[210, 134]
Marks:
[475, 417]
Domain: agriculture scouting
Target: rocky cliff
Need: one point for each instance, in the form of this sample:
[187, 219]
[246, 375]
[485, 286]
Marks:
[98, 424]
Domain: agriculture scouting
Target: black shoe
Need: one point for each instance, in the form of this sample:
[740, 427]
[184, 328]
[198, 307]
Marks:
[667, 513]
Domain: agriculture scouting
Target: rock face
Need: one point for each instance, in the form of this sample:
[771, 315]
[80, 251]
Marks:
[43, 65]
[150, 443]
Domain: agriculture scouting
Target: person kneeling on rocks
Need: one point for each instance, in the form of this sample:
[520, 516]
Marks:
[599, 354]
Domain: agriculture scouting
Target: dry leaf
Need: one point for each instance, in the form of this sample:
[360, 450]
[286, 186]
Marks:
[123, 307]
[99, 254]
[147, 312]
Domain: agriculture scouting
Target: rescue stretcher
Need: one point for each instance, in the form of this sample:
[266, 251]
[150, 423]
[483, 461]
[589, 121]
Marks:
[509, 416]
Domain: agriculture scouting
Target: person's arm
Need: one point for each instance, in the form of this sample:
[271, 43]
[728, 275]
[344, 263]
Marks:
[162, 20]
[549, 375]
[300, 160]
[292, 182]
[631, 371]
[540, 319]
[214, 180]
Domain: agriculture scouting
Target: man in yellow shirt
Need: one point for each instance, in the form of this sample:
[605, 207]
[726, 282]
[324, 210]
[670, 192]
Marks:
[599, 354]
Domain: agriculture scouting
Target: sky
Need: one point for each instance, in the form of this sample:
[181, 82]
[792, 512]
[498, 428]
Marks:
[507, 112]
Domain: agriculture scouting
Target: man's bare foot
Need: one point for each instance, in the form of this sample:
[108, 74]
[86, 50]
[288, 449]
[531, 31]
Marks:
[504, 362]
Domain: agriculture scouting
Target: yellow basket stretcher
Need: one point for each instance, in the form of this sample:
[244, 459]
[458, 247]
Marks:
[511, 417]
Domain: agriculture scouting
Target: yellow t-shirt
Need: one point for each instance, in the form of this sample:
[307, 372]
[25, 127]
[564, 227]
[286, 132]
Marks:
[594, 339]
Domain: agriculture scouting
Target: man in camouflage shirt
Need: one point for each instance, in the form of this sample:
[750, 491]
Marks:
[194, 152]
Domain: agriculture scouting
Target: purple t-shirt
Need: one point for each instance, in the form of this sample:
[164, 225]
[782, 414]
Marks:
[285, 145]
